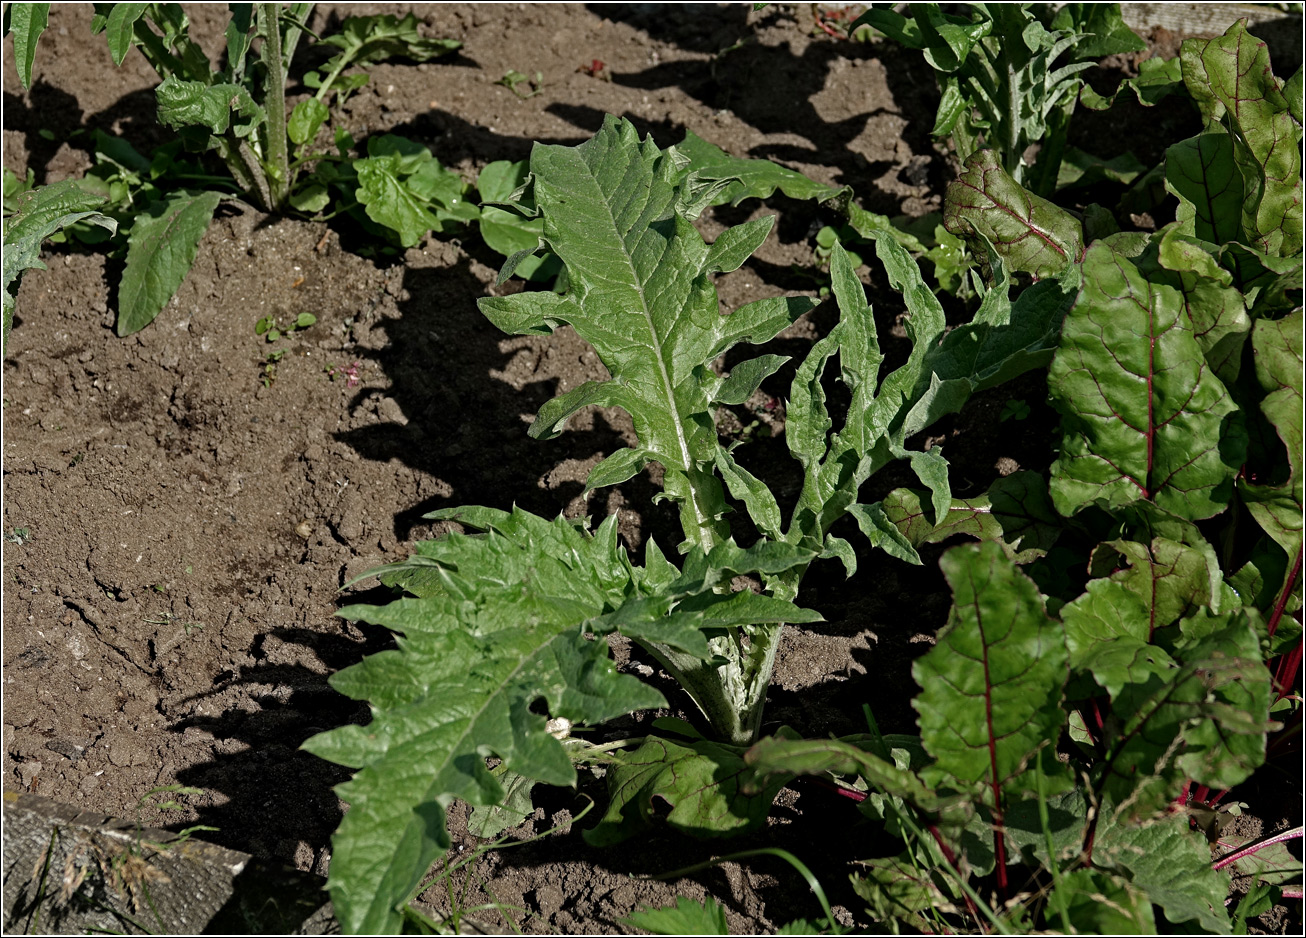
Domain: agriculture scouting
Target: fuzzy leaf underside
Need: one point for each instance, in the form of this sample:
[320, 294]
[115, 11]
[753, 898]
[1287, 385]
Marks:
[992, 685]
[1143, 416]
[160, 251]
[750, 178]
[695, 787]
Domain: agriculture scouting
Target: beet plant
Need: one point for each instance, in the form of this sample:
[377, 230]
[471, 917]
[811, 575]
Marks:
[502, 633]
[1121, 651]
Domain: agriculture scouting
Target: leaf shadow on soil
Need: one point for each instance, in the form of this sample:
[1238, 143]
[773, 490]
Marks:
[276, 801]
[467, 426]
[51, 109]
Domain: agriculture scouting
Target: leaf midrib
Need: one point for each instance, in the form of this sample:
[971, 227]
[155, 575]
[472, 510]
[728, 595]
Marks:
[655, 345]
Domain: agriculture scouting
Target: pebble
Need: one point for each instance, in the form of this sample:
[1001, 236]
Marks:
[27, 772]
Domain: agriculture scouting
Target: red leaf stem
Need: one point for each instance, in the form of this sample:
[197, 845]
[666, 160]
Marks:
[1236, 855]
[952, 862]
[1282, 601]
[854, 794]
[1285, 677]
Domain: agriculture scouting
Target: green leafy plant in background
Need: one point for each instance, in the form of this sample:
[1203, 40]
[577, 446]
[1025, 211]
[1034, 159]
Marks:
[502, 632]
[1009, 75]
[1168, 662]
[238, 114]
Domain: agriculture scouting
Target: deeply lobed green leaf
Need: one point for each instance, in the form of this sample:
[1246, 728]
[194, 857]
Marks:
[615, 210]
[1015, 513]
[505, 624]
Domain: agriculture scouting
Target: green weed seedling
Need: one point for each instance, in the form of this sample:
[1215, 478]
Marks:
[19, 536]
[513, 80]
[1014, 410]
[270, 329]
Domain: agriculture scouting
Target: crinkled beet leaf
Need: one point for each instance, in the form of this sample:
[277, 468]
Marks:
[992, 686]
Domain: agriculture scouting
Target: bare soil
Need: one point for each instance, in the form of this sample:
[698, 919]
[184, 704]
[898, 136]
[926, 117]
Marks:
[171, 620]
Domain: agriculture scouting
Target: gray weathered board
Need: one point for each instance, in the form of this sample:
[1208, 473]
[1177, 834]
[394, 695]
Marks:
[70, 872]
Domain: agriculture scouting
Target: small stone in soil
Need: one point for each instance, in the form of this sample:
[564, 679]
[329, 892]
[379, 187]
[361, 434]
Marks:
[27, 772]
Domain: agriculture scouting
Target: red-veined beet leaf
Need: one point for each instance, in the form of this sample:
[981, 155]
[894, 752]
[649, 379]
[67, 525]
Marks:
[991, 689]
[1143, 416]
[1276, 504]
[1031, 233]
[1252, 177]
[1200, 712]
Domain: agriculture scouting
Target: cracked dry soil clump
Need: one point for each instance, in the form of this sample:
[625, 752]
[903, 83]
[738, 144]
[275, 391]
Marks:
[170, 617]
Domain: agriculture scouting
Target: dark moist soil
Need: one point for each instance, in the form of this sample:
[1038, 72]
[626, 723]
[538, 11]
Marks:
[171, 620]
